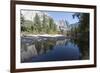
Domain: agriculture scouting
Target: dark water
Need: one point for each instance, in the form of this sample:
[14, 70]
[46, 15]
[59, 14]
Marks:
[60, 53]
[57, 52]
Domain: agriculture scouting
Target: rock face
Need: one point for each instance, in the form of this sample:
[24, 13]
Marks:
[28, 51]
[28, 48]
[61, 42]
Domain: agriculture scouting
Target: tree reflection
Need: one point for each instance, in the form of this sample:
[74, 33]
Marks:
[82, 34]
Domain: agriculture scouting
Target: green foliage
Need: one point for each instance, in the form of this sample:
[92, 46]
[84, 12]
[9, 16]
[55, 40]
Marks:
[52, 26]
[44, 23]
[38, 26]
[22, 23]
[37, 23]
[83, 30]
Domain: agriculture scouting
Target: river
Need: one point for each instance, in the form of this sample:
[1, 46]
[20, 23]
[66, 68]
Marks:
[44, 49]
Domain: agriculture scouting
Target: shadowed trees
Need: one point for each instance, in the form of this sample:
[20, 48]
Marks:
[83, 31]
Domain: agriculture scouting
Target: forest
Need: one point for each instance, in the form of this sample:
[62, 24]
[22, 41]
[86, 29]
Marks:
[83, 33]
[38, 26]
[47, 25]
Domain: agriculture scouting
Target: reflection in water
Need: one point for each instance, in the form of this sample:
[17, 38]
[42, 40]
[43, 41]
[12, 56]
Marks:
[83, 44]
[38, 49]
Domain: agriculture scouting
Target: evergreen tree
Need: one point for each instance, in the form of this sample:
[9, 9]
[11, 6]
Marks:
[22, 20]
[52, 25]
[44, 23]
[84, 32]
[37, 23]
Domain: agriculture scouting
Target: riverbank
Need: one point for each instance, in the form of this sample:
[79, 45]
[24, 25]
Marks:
[44, 35]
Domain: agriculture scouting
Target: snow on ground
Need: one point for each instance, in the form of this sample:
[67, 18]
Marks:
[45, 35]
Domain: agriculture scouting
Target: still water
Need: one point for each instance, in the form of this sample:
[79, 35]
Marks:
[52, 49]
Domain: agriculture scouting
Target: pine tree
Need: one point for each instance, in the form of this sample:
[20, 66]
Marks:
[52, 25]
[44, 23]
[23, 28]
[37, 23]
[84, 32]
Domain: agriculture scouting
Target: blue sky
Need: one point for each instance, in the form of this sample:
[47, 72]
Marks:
[63, 15]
